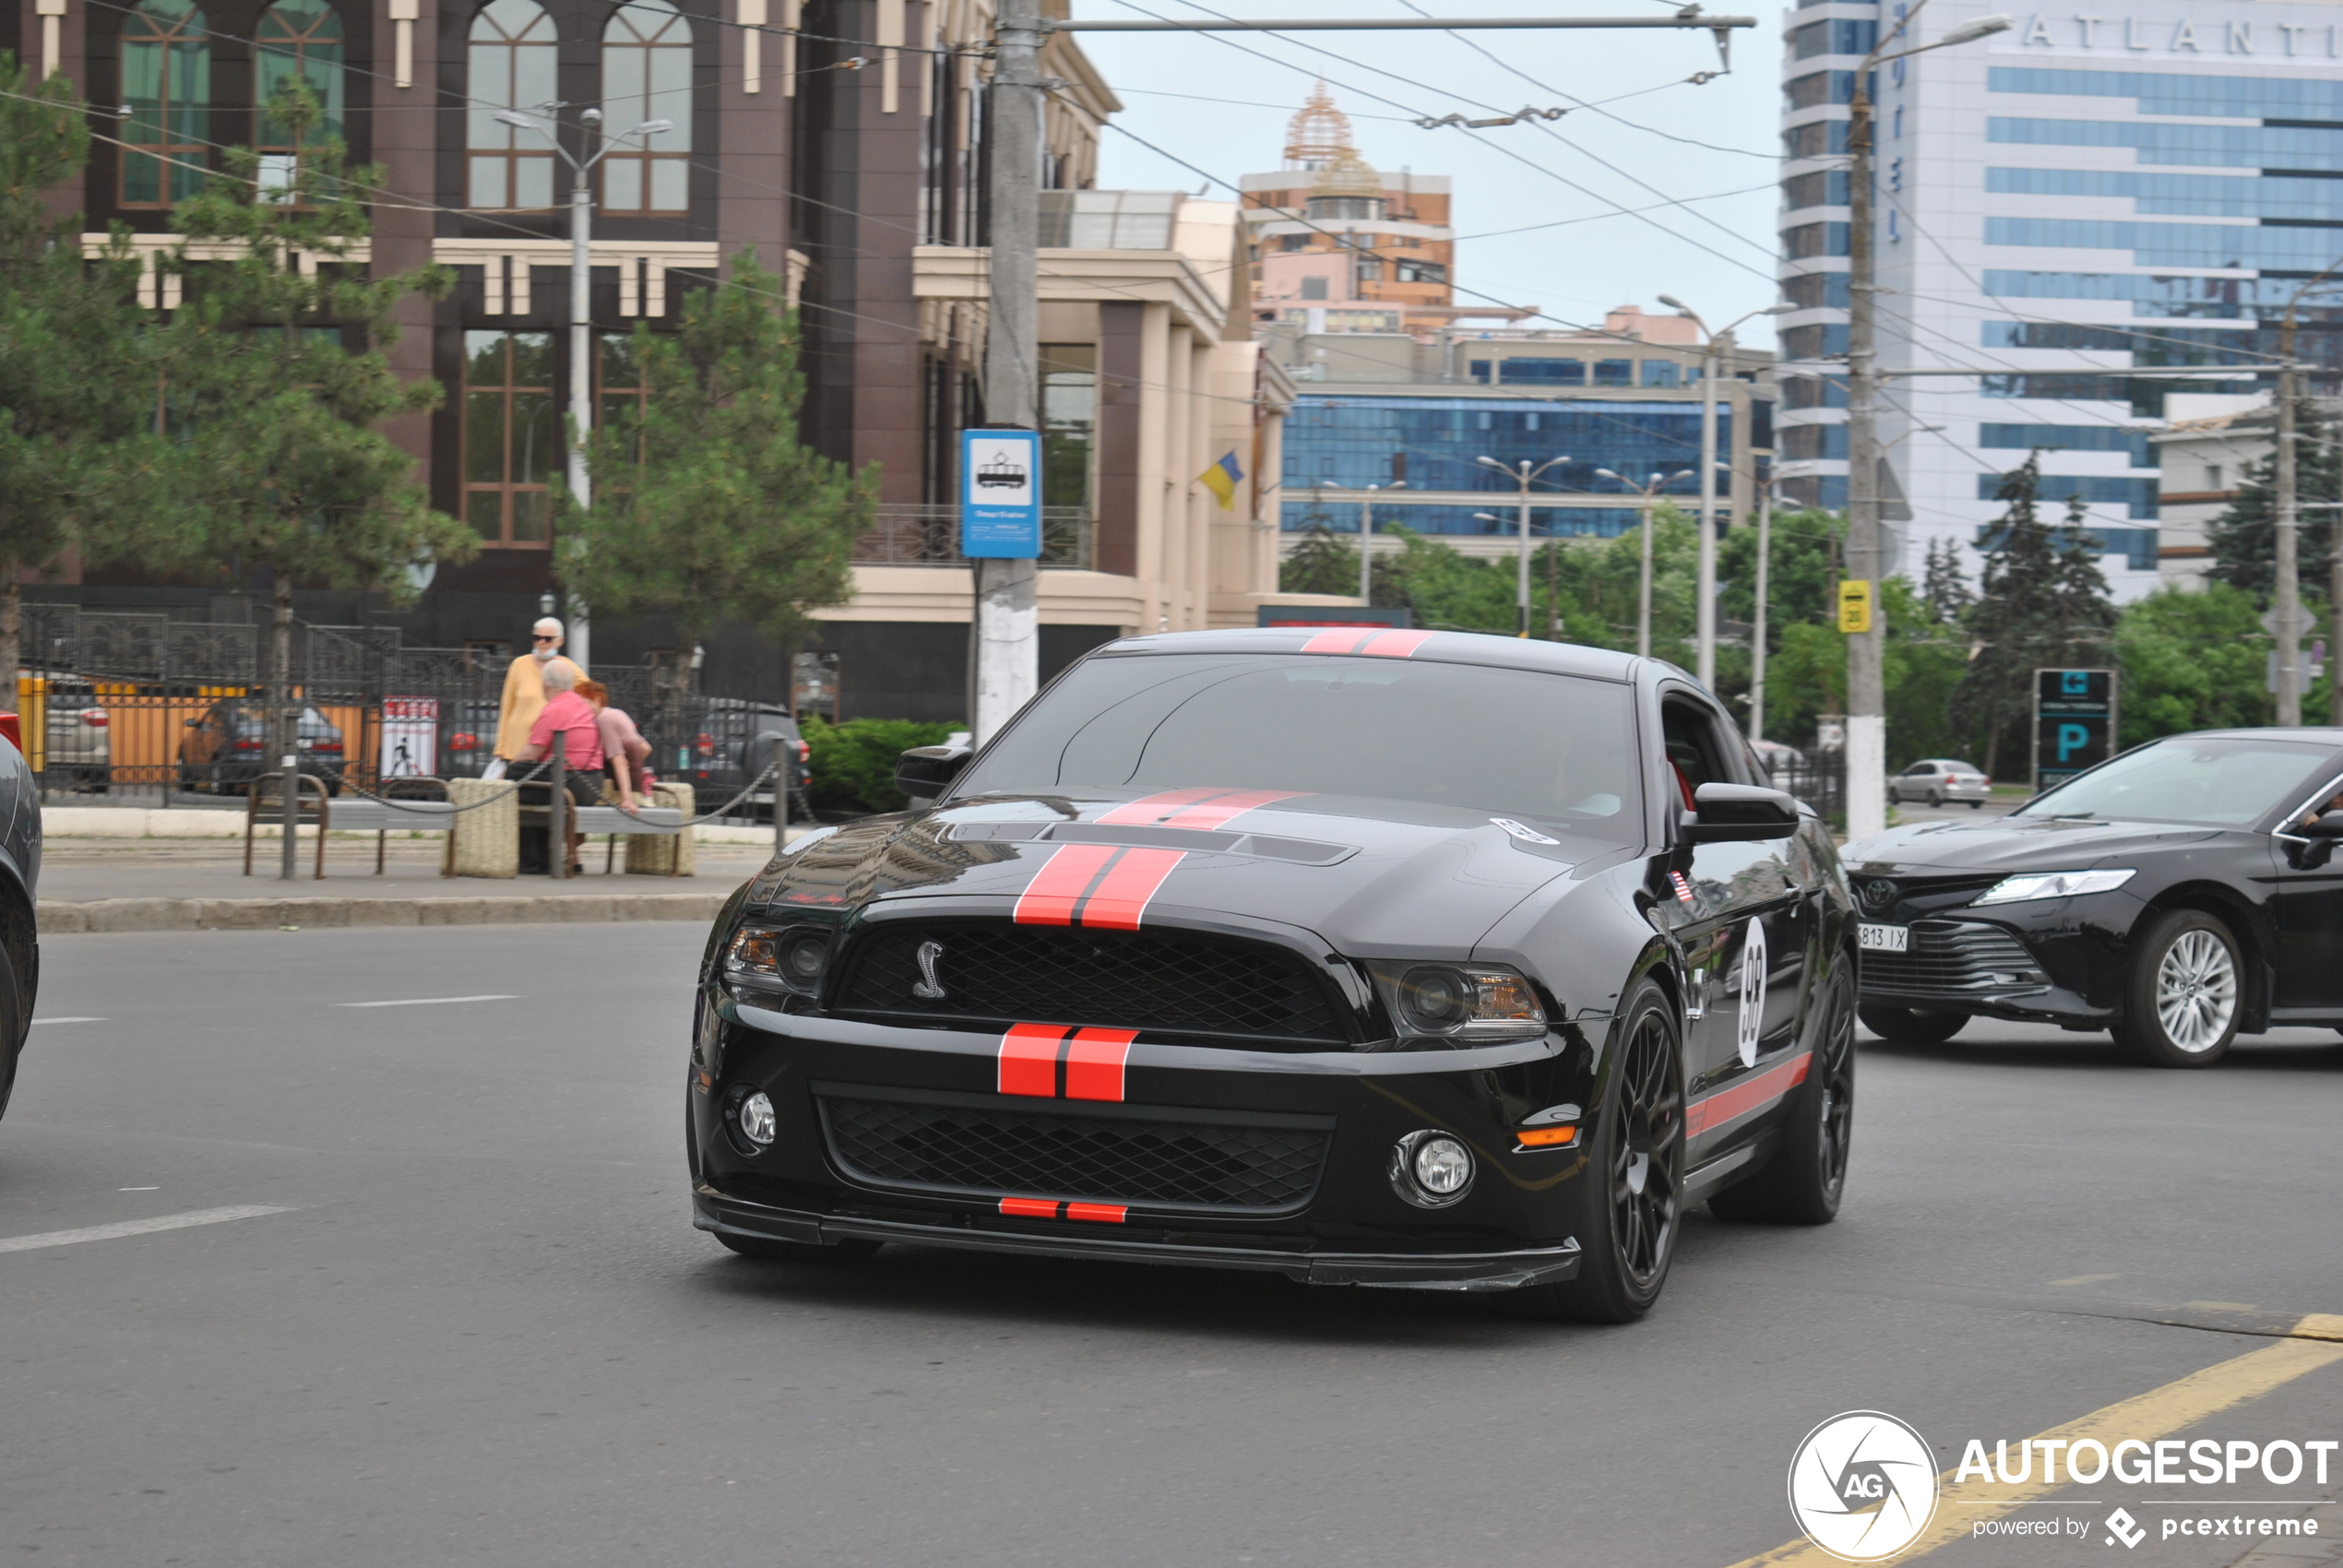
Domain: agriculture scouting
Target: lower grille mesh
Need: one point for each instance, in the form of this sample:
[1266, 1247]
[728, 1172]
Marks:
[1953, 959]
[987, 1152]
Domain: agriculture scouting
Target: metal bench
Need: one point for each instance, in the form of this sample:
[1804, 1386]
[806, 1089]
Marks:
[663, 822]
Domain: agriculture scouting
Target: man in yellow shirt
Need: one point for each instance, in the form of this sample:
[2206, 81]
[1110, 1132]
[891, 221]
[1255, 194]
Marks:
[524, 690]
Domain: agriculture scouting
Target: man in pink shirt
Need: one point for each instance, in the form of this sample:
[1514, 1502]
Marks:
[571, 717]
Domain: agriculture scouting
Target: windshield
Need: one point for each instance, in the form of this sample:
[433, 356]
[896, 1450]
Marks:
[2203, 781]
[1552, 748]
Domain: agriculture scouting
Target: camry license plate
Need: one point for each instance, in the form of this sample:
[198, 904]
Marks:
[1882, 938]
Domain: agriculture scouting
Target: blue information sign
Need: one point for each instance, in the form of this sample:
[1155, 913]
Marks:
[1001, 495]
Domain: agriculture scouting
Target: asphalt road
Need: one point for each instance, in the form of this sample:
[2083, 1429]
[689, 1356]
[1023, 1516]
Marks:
[480, 1327]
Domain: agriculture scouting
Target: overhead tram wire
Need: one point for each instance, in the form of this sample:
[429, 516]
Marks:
[1494, 145]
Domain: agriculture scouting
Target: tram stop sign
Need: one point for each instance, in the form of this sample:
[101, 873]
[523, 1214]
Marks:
[2074, 723]
[1001, 495]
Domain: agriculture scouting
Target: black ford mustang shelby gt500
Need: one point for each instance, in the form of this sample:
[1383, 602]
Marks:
[1370, 958]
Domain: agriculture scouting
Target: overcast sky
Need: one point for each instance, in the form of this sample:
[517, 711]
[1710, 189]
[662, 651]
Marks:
[1570, 252]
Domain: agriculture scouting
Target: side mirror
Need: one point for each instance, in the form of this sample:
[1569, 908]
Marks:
[925, 772]
[1734, 813]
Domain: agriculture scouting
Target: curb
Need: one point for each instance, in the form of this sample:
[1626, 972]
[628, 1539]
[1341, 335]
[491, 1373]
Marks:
[58, 919]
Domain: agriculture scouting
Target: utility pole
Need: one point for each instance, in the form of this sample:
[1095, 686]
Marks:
[2285, 601]
[1008, 642]
[1525, 476]
[1757, 623]
[1642, 583]
[1712, 364]
[1367, 537]
[578, 634]
[1866, 651]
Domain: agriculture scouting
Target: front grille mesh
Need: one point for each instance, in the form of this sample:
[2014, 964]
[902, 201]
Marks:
[1953, 959]
[988, 1152]
[1175, 982]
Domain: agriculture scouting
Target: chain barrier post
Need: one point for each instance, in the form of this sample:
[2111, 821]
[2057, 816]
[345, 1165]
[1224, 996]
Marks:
[557, 814]
[289, 786]
[780, 793]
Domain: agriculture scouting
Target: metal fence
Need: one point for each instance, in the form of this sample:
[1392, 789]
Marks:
[1817, 778]
[150, 708]
[908, 535]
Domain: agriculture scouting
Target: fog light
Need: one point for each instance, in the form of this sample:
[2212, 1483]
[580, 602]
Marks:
[1443, 1165]
[758, 1122]
[1430, 1168]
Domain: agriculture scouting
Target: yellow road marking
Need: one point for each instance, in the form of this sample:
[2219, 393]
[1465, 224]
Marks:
[2315, 1342]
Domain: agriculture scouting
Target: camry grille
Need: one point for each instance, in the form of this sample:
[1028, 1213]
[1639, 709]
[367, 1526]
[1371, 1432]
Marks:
[1172, 982]
[1953, 959]
[964, 1145]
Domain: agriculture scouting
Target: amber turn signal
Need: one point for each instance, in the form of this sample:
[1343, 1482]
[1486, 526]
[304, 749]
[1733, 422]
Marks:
[1546, 1137]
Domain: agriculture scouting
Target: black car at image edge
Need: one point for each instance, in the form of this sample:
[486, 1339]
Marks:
[2178, 895]
[19, 929]
[1191, 964]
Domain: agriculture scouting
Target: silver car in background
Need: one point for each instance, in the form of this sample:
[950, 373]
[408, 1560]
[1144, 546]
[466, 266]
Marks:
[1939, 780]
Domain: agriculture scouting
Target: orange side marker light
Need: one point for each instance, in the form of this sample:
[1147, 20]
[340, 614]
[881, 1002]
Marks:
[1546, 1137]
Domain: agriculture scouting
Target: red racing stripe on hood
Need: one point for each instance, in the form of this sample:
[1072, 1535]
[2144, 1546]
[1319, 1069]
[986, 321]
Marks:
[1221, 808]
[1029, 1059]
[1057, 889]
[1123, 894]
[1155, 808]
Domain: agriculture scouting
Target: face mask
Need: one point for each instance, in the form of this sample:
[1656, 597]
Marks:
[545, 655]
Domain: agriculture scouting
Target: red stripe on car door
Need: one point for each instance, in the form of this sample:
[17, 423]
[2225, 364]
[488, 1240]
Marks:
[1030, 1055]
[1123, 894]
[1395, 645]
[1057, 889]
[1707, 1114]
[1155, 808]
[1222, 809]
[1094, 1063]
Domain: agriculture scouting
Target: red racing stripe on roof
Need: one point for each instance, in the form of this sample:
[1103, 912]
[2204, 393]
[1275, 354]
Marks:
[1057, 888]
[1123, 894]
[1340, 639]
[1029, 1059]
[1221, 808]
[1155, 808]
[1750, 1095]
[1094, 1062]
[1395, 645]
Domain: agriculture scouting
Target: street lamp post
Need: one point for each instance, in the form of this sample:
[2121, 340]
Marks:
[1366, 542]
[1757, 621]
[1712, 358]
[1866, 651]
[1643, 582]
[1525, 475]
[581, 279]
[2286, 599]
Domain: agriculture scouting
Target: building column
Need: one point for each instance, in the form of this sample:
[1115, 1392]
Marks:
[1121, 326]
[405, 142]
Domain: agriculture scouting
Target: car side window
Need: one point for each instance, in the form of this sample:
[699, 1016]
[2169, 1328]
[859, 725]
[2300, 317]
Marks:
[1694, 748]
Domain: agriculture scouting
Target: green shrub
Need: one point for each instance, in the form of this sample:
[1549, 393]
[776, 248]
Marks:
[853, 763]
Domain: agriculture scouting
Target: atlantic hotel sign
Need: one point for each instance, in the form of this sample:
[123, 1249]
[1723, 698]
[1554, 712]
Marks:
[2183, 38]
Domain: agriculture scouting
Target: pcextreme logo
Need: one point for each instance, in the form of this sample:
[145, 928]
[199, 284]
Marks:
[1862, 1486]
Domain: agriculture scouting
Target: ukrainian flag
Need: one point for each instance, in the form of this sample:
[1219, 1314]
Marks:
[1222, 479]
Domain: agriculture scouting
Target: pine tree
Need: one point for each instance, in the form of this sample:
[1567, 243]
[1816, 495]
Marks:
[74, 396]
[707, 507]
[1321, 562]
[276, 384]
[2244, 538]
[1945, 588]
[2044, 605]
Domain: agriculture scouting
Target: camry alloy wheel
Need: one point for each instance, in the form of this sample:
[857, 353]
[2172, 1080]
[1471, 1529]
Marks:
[1648, 1158]
[2197, 991]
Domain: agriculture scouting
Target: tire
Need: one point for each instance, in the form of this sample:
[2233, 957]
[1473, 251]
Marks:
[1804, 1182]
[1935, 800]
[15, 1023]
[2185, 994]
[1976, 806]
[1631, 1204]
[1911, 1026]
[852, 1249]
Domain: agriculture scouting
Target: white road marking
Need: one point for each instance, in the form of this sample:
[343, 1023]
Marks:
[137, 1189]
[426, 1001]
[139, 1227]
[39, 1021]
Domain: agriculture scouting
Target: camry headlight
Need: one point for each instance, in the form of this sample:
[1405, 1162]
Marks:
[1466, 1003]
[2052, 884]
[790, 957]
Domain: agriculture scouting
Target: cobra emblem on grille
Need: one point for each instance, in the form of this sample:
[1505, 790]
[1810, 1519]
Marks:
[928, 988]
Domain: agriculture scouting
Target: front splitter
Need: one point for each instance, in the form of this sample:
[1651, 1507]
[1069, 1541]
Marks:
[715, 1211]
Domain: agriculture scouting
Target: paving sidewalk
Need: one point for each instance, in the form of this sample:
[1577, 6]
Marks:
[162, 884]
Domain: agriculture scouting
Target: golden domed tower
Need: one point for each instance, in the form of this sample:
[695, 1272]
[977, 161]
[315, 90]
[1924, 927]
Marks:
[1319, 133]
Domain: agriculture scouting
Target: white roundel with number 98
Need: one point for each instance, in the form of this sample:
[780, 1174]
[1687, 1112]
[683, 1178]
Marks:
[1753, 993]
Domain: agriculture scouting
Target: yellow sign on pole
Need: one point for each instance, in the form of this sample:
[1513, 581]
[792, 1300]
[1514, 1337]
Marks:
[1854, 606]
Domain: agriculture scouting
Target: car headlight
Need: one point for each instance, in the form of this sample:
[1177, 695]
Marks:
[2052, 884]
[1470, 1003]
[790, 957]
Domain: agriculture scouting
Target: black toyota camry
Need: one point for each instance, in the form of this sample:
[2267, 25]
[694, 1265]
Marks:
[1367, 957]
[2178, 895]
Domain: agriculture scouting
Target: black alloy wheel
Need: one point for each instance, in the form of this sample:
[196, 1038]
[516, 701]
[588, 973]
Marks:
[1632, 1186]
[1911, 1026]
[1807, 1176]
[15, 1022]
